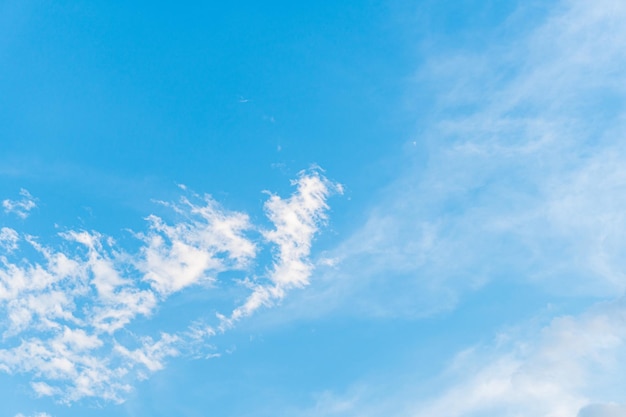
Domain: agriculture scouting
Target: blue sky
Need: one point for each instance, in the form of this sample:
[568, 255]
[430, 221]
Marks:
[393, 208]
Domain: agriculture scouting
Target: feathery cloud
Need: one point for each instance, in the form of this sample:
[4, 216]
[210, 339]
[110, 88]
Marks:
[553, 373]
[523, 183]
[67, 306]
[296, 221]
[524, 171]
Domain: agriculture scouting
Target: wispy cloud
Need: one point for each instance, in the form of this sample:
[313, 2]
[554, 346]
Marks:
[603, 410]
[553, 372]
[523, 182]
[211, 239]
[34, 415]
[67, 306]
[521, 169]
[571, 366]
[21, 207]
[8, 239]
[296, 221]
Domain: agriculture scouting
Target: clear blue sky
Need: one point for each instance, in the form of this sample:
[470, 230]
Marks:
[357, 208]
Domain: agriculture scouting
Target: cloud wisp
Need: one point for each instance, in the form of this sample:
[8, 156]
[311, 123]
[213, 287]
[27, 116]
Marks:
[34, 415]
[22, 206]
[296, 221]
[521, 168]
[571, 366]
[69, 307]
[524, 183]
[553, 372]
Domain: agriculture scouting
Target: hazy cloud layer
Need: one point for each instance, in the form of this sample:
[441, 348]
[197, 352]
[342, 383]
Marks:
[524, 170]
[523, 182]
[603, 410]
[551, 373]
[573, 365]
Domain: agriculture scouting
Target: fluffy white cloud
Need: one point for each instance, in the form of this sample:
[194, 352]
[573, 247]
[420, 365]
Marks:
[21, 207]
[66, 307]
[211, 240]
[296, 220]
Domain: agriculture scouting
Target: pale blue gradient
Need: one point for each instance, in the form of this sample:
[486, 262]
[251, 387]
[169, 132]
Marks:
[472, 262]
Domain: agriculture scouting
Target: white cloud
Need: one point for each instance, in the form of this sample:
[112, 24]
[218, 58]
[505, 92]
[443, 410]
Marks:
[555, 373]
[152, 354]
[603, 410]
[211, 240]
[67, 306]
[571, 366]
[296, 221]
[8, 239]
[524, 182]
[21, 207]
[34, 415]
[522, 170]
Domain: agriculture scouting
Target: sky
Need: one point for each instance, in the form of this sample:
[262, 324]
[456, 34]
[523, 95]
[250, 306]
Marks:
[350, 208]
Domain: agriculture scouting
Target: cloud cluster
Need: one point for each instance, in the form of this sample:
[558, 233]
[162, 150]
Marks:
[68, 307]
[21, 207]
